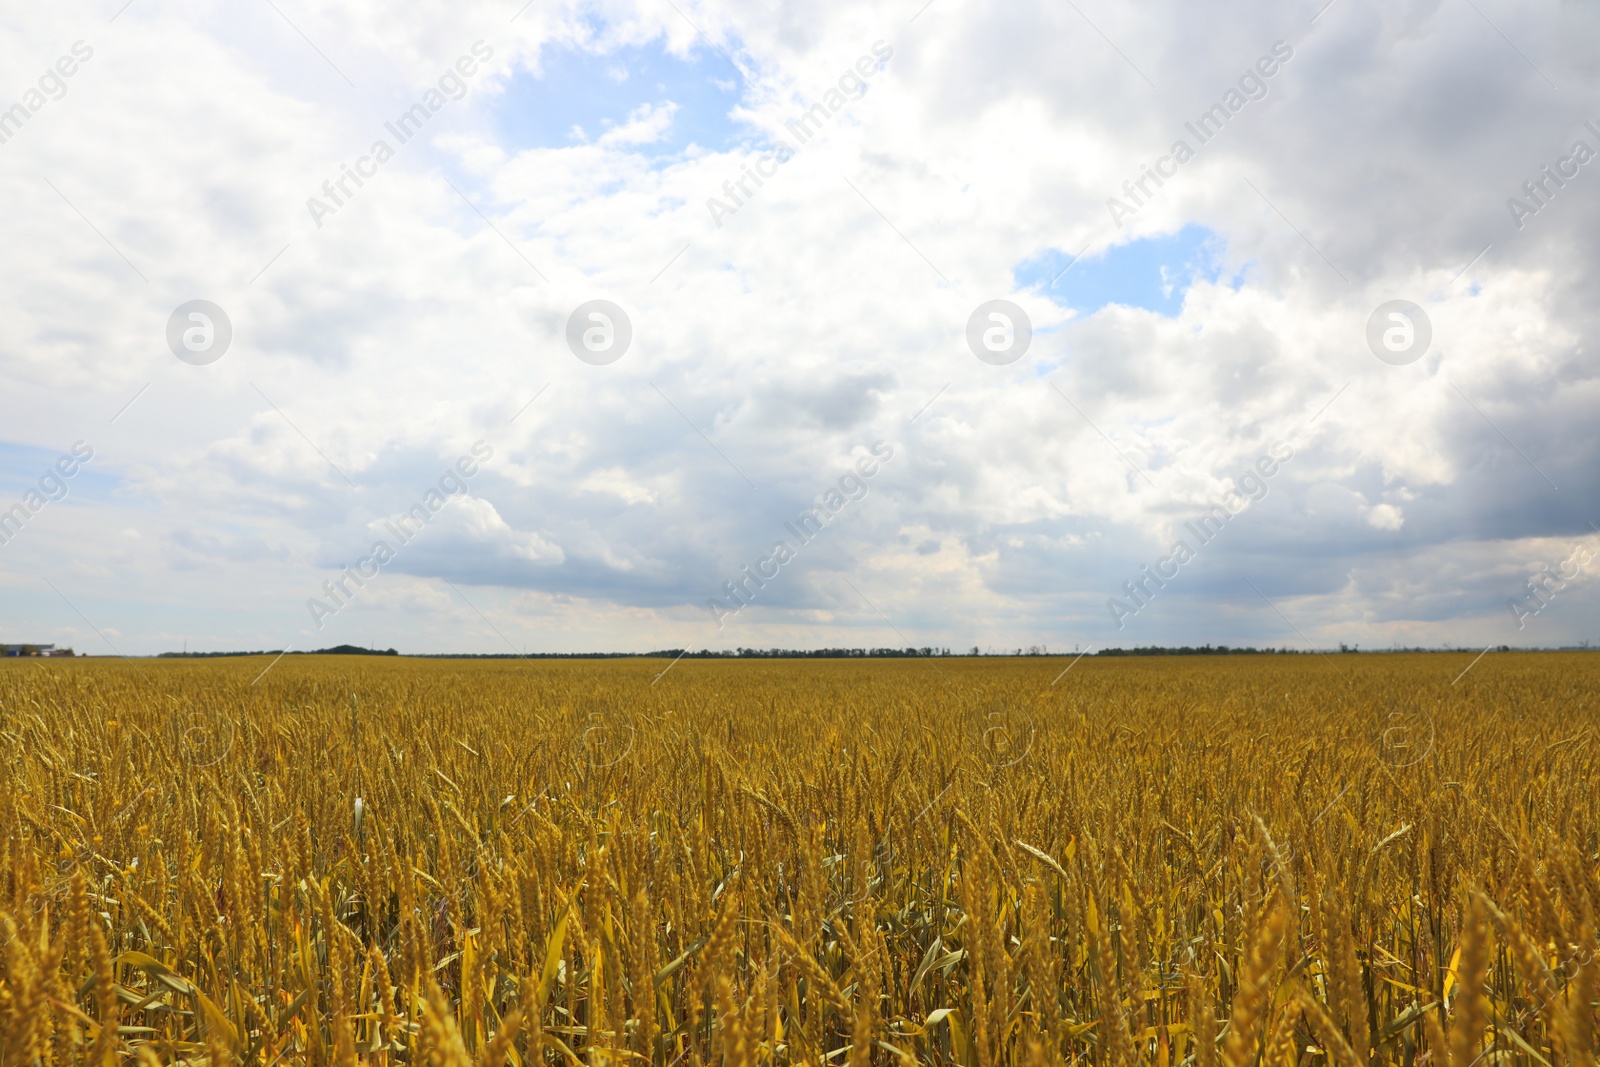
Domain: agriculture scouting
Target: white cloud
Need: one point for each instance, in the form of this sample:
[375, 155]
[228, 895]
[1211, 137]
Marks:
[1385, 517]
[822, 316]
[646, 124]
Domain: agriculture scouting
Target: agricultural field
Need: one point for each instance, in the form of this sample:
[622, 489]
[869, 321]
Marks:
[1303, 859]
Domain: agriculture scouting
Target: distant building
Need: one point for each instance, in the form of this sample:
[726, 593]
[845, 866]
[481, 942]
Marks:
[33, 650]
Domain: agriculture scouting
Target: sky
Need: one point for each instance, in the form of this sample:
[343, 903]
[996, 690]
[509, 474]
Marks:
[1065, 326]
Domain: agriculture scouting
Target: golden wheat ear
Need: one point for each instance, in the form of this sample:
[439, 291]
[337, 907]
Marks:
[1328, 1033]
[1202, 1021]
[1472, 1002]
[1250, 1000]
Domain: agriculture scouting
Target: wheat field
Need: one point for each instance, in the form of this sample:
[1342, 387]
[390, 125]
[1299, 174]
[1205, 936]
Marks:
[1233, 860]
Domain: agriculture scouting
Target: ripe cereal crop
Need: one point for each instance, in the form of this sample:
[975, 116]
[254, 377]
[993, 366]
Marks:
[1206, 861]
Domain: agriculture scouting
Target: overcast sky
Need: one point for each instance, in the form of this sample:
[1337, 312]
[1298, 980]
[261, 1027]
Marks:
[1341, 265]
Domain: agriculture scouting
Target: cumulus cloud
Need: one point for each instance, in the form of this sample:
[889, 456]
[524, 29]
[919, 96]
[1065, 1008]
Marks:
[375, 345]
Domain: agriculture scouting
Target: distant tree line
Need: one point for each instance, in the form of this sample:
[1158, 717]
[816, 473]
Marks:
[825, 653]
[336, 650]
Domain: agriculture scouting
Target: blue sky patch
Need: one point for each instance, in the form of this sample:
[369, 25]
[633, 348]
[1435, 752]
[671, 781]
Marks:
[1152, 273]
[22, 466]
[597, 91]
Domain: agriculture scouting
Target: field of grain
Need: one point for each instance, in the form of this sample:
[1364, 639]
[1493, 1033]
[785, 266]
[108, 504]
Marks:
[1209, 860]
